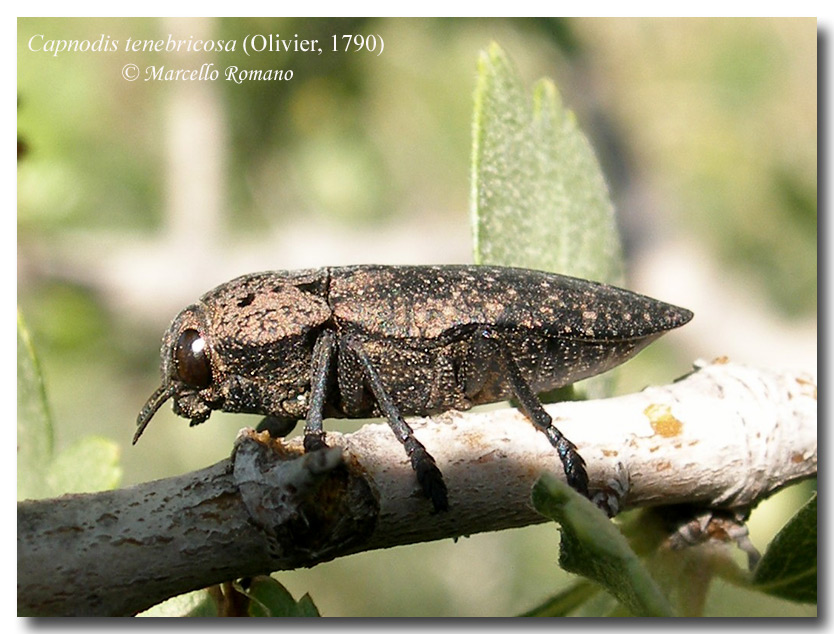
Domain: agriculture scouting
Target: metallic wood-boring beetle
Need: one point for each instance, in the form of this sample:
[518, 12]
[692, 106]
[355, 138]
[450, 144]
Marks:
[389, 341]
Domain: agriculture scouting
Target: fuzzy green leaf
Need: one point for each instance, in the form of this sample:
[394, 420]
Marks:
[198, 603]
[788, 568]
[34, 422]
[566, 601]
[269, 598]
[89, 465]
[92, 464]
[539, 199]
[593, 547]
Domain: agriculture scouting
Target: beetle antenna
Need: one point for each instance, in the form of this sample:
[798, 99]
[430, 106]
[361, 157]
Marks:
[156, 400]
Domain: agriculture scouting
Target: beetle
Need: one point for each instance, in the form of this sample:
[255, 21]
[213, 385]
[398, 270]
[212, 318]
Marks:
[393, 341]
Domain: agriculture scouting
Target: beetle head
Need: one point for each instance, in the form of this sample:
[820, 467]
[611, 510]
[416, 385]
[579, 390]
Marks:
[188, 371]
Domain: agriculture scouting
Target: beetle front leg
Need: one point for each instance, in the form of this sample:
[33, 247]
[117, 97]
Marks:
[428, 475]
[530, 404]
[319, 383]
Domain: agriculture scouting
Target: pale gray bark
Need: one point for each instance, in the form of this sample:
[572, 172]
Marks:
[725, 437]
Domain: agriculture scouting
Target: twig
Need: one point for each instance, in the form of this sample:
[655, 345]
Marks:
[724, 437]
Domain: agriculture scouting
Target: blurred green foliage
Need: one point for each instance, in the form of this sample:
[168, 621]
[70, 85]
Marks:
[722, 117]
[88, 465]
[256, 596]
[719, 117]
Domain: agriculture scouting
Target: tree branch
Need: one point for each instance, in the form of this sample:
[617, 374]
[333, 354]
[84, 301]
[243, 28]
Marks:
[726, 437]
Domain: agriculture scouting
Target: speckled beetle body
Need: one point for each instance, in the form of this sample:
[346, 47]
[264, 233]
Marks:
[399, 340]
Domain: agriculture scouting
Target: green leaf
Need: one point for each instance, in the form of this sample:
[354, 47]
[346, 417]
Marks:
[34, 421]
[269, 598]
[89, 465]
[788, 568]
[685, 574]
[264, 596]
[593, 547]
[92, 464]
[198, 603]
[201, 606]
[566, 601]
[539, 199]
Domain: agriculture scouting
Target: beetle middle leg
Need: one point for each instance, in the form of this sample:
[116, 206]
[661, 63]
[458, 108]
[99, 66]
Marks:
[428, 474]
[530, 404]
[319, 381]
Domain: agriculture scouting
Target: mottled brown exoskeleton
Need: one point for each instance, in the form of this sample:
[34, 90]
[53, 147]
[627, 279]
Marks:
[362, 341]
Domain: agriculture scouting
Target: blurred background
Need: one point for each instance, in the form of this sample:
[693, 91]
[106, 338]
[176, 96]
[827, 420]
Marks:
[136, 197]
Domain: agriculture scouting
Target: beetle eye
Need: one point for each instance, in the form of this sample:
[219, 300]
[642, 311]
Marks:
[191, 360]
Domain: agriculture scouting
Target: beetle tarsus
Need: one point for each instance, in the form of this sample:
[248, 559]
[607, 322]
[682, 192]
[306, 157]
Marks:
[573, 463]
[431, 481]
[314, 442]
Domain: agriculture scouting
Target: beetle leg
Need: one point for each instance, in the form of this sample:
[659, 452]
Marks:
[277, 426]
[319, 382]
[428, 475]
[477, 366]
[532, 407]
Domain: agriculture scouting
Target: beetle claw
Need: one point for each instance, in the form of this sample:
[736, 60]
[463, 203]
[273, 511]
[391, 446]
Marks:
[430, 479]
[314, 442]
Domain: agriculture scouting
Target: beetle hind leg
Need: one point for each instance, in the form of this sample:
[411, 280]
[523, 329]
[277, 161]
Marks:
[428, 474]
[574, 465]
